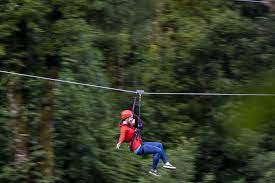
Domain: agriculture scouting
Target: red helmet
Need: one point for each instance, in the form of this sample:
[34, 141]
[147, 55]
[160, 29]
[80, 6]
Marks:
[125, 114]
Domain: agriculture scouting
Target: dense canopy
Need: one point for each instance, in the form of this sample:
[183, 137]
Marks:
[65, 133]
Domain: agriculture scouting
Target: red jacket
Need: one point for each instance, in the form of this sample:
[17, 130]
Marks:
[126, 133]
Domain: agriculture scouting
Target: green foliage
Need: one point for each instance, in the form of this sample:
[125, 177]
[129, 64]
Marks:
[261, 167]
[246, 123]
[252, 112]
[165, 45]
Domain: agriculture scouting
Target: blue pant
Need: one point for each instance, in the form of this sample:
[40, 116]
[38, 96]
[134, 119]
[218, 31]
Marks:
[156, 149]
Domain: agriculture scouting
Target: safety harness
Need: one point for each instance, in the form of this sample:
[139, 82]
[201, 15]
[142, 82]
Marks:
[139, 123]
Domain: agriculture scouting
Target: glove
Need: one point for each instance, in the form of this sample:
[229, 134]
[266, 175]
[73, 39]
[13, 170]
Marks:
[140, 124]
[117, 146]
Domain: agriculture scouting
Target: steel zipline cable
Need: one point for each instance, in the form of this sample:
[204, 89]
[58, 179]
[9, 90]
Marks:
[64, 81]
[213, 94]
[251, 1]
[137, 91]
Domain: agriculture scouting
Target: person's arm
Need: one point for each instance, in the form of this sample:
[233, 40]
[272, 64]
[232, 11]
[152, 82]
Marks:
[122, 136]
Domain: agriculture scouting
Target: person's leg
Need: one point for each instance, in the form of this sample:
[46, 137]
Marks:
[159, 145]
[162, 156]
[156, 151]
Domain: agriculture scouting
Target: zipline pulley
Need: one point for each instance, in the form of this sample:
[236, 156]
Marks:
[139, 93]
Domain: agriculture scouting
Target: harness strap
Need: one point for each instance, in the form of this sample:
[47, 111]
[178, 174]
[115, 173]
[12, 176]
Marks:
[133, 138]
[134, 104]
[139, 125]
[139, 111]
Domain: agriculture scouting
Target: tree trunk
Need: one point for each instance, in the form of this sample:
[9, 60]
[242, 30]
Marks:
[19, 127]
[270, 4]
[45, 137]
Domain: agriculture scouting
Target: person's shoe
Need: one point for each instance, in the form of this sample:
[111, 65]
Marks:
[169, 166]
[154, 172]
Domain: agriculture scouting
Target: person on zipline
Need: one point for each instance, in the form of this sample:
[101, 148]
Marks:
[128, 134]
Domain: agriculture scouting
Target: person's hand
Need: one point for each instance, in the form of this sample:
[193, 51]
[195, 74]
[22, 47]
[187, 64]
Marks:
[117, 146]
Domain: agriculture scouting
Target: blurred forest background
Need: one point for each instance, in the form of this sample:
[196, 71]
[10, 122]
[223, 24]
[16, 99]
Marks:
[52, 132]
